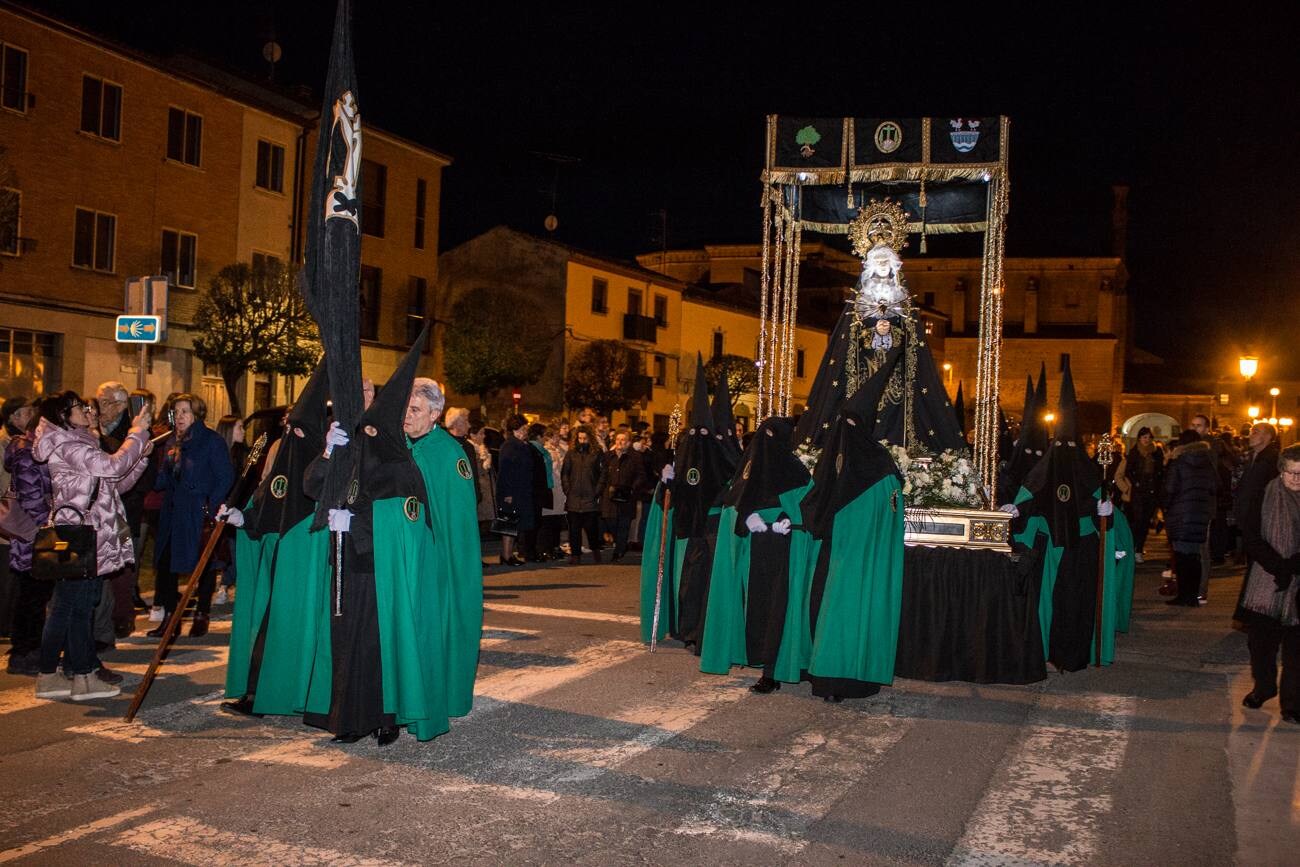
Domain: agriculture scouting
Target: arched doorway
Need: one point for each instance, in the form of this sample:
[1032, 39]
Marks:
[1163, 427]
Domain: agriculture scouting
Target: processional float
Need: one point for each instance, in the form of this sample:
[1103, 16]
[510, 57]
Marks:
[949, 175]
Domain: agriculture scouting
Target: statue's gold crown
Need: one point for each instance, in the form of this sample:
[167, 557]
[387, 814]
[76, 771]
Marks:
[879, 222]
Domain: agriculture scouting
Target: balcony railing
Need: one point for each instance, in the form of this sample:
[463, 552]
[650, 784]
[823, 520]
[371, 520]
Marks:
[638, 327]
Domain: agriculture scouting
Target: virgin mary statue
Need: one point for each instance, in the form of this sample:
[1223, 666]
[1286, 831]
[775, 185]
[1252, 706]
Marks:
[914, 410]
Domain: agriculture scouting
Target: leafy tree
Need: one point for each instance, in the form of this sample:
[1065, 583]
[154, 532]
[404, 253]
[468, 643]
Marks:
[255, 319]
[742, 375]
[496, 339]
[604, 375]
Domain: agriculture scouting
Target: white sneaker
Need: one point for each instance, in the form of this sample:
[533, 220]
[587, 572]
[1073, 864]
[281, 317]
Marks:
[53, 685]
[88, 686]
[221, 598]
[1137, 558]
[156, 614]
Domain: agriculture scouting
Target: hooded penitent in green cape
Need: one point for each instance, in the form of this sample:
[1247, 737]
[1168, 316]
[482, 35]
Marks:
[382, 665]
[703, 466]
[283, 572]
[455, 565]
[758, 592]
[855, 511]
[1058, 511]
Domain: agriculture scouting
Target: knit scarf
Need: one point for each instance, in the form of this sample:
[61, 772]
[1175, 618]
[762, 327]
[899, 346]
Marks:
[1280, 527]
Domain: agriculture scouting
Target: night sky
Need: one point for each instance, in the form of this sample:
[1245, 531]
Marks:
[664, 107]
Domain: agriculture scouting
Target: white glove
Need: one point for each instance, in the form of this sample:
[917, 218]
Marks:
[233, 517]
[336, 436]
[1120, 555]
[1010, 509]
[1105, 508]
[781, 527]
[755, 523]
[668, 473]
[340, 520]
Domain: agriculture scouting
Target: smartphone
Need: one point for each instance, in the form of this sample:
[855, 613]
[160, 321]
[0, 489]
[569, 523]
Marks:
[137, 402]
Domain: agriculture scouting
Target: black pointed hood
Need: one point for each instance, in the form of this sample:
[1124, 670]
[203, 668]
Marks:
[724, 423]
[279, 500]
[702, 467]
[959, 407]
[853, 459]
[1031, 444]
[384, 468]
[768, 469]
[1065, 481]
[1028, 412]
[701, 412]
[1067, 409]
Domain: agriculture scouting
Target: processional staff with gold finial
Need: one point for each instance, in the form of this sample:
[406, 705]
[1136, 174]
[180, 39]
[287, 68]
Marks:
[674, 428]
[1105, 457]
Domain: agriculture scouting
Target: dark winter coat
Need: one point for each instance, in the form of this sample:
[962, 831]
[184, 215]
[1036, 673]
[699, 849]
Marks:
[1260, 470]
[1190, 480]
[582, 477]
[31, 484]
[625, 479]
[193, 487]
[515, 480]
[1145, 474]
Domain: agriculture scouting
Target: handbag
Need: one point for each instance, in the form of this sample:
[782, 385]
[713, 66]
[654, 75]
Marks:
[506, 523]
[67, 552]
[15, 523]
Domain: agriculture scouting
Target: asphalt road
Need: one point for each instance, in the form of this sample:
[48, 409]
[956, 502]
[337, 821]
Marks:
[585, 749]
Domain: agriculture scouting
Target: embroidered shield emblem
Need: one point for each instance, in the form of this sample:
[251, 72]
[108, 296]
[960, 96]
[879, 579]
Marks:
[692, 476]
[412, 508]
[279, 487]
[462, 467]
[1063, 493]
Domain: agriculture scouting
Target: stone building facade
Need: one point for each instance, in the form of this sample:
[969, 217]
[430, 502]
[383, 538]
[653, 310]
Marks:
[124, 164]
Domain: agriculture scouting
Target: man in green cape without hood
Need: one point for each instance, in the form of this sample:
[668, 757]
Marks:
[455, 564]
[701, 470]
[855, 512]
[283, 572]
[379, 662]
[1057, 506]
[758, 592]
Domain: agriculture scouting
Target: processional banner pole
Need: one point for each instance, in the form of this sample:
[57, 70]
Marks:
[674, 427]
[1105, 457]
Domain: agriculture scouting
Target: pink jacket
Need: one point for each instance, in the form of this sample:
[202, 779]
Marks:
[75, 460]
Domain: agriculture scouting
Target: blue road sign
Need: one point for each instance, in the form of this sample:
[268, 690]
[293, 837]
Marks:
[139, 329]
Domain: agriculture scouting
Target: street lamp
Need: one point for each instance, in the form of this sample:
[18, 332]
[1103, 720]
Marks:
[1253, 412]
[1274, 392]
[947, 370]
[1248, 365]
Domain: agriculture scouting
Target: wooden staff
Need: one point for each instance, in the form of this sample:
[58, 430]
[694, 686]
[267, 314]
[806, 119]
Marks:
[174, 622]
[1105, 456]
[674, 427]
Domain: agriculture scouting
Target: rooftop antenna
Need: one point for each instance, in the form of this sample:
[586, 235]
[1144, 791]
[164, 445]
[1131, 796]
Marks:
[552, 222]
[271, 52]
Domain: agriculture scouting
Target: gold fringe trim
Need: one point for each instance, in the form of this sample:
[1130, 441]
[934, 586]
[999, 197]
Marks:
[912, 228]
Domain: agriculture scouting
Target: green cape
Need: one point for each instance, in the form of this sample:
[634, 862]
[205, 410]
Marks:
[856, 634]
[456, 564]
[724, 627]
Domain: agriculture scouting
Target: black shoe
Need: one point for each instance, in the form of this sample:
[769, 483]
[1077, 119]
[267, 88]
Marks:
[241, 706]
[1291, 717]
[833, 699]
[387, 734]
[24, 664]
[1254, 700]
[199, 627]
[764, 685]
[349, 738]
[139, 603]
[108, 676]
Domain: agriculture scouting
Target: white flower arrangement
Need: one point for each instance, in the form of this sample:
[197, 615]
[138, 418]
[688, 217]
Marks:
[947, 479]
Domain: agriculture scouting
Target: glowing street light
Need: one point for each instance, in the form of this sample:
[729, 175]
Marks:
[1274, 392]
[947, 370]
[1248, 365]
[1253, 412]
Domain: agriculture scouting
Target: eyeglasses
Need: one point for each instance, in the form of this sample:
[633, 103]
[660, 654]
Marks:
[1295, 474]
